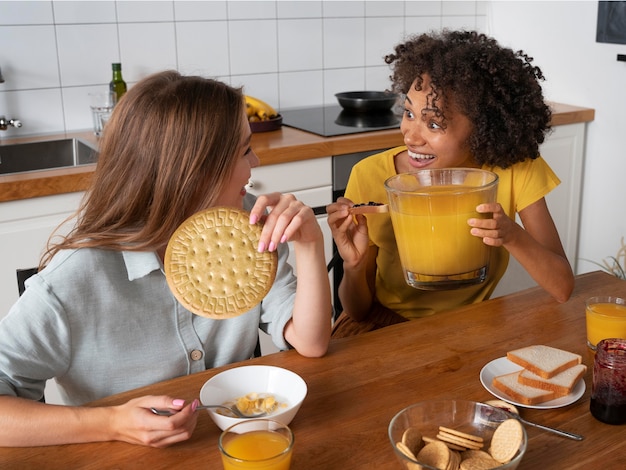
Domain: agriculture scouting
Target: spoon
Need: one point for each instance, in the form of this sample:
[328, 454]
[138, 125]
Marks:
[571, 435]
[233, 409]
[515, 414]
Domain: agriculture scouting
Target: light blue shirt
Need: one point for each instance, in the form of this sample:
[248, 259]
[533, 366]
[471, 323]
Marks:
[102, 322]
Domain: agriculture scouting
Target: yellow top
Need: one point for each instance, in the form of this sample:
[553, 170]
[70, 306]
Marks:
[519, 186]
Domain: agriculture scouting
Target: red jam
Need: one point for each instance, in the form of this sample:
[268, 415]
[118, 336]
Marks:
[608, 394]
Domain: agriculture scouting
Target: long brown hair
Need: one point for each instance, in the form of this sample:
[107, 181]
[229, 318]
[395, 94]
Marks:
[166, 153]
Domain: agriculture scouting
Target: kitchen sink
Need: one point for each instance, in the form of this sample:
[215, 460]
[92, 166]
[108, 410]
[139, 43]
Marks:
[45, 155]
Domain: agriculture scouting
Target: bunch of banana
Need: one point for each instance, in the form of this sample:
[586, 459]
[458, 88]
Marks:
[258, 110]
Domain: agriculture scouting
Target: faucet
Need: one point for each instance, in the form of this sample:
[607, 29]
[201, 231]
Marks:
[5, 123]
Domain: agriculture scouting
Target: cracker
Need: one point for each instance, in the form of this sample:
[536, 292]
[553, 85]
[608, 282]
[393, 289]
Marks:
[461, 434]
[449, 444]
[412, 438]
[436, 454]
[459, 441]
[212, 264]
[455, 460]
[503, 405]
[478, 463]
[402, 447]
[476, 454]
[506, 440]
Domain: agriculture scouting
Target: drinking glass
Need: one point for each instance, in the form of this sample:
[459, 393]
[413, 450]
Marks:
[101, 104]
[606, 318]
[429, 212]
[256, 444]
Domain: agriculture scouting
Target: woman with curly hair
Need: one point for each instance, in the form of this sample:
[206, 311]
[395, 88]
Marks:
[468, 102]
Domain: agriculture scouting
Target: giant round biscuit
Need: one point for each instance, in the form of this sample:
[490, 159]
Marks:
[212, 264]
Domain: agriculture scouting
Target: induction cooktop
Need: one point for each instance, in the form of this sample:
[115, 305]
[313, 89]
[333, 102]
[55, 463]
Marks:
[333, 120]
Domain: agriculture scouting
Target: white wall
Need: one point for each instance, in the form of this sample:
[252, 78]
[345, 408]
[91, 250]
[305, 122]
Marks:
[288, 53]
[560, 35]
[299, 53]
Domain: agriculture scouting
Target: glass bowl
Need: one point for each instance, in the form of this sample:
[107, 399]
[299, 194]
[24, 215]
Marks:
[477, 419]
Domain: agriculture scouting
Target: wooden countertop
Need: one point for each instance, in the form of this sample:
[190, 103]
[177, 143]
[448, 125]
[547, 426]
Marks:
[363, 381]
[281, 146]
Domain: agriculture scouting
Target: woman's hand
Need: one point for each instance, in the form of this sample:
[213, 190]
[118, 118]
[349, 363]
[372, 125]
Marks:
[135, 423]
[25, 422]
[351, 237]
[498, 230]
[535, 244]
[288, 220]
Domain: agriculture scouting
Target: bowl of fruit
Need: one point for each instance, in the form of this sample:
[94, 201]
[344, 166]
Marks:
[261, 116]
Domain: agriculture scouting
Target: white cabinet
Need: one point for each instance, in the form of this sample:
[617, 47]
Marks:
[564, 151]
[25, 227]
[311, 182]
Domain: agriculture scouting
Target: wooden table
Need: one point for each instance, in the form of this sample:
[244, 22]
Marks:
[362, 382]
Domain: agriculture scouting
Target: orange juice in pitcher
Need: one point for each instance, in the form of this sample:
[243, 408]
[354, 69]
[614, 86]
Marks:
[429, 212]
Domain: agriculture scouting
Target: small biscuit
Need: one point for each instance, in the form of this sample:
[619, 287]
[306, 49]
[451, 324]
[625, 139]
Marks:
[503, 405]
[212, 264]
[405, 450]
[436, 454]
[462, 434]
[455, 460]
[476, 454]
[459, 441]
[478, 463]
[412, 438]
[449, 444]
[506, 440]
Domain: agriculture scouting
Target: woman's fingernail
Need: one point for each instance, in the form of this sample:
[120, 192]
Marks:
[178, 402]
[261, 248]
[254, 219]
[194, 405]
[272, 246]
[283, 239]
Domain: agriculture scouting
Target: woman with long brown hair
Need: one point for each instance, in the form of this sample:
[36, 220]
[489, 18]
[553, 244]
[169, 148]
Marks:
[99, 317]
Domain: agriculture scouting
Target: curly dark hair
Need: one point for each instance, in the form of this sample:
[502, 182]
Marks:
[496, 88]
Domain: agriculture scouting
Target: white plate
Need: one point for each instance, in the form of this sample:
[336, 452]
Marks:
[502, 366]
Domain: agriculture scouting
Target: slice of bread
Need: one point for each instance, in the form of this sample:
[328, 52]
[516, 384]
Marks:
[524, 394]
[562, 384]
[369, 208]
[544, 361]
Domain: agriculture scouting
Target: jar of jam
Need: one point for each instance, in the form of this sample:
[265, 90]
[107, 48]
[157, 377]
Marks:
[608, 393]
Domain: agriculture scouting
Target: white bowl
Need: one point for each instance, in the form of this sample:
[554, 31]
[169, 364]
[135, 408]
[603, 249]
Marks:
[226, 386]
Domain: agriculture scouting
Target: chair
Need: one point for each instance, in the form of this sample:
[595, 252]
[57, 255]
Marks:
[22, 275]
[336, 266]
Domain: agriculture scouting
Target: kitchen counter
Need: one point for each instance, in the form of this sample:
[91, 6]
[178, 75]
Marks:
[281, 146]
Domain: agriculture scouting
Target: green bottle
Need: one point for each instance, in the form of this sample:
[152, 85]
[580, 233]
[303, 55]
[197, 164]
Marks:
[117, 85]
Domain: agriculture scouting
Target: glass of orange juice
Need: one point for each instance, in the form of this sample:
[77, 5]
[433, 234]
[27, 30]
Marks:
[256, 444]
[606, 318]
[429, 212]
